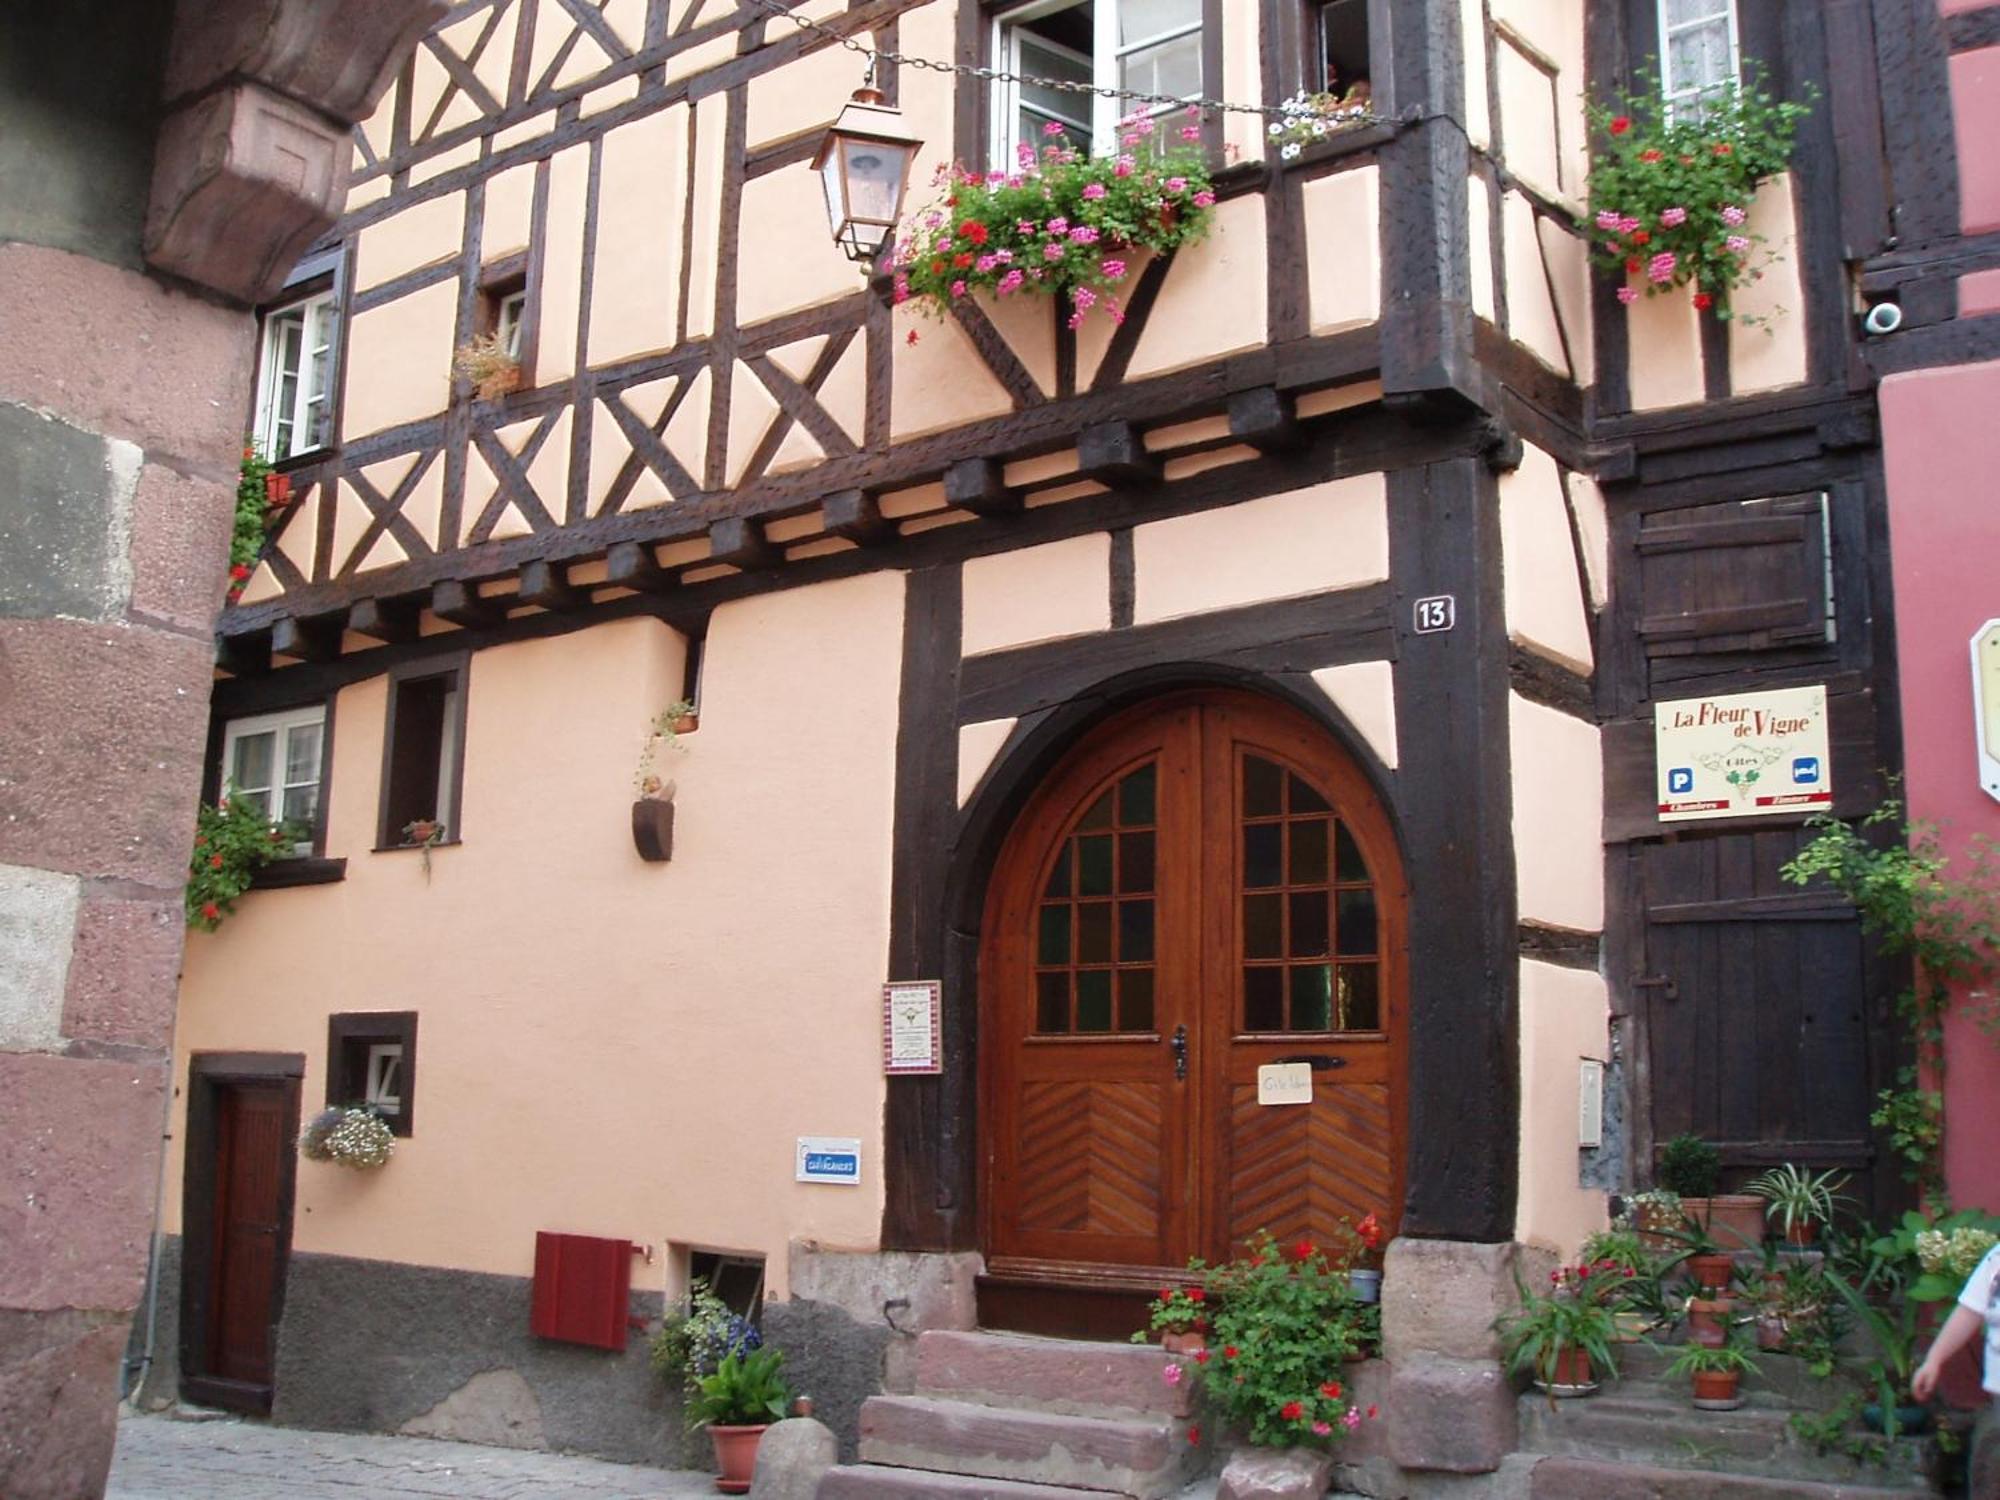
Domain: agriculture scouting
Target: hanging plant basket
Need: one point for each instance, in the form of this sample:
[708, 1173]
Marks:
[355, 1137]
[653, 829]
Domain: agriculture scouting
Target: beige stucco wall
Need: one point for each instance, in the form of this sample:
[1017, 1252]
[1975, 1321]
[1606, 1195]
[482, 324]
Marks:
[1343, 249]
[1544, 596]
[1558, 782]
[1328, 536]
[651, 999]
[399, 360]
[1765, 356]
[1564, 1018]
[1037, 593]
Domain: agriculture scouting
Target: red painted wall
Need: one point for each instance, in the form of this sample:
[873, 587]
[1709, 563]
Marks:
[1942, 452]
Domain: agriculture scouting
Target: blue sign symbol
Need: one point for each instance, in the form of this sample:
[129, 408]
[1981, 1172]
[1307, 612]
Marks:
[1805, 770]
[833, 1164]
[1680, 779]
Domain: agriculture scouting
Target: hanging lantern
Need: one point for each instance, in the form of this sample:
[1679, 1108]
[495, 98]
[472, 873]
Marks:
[864, 166]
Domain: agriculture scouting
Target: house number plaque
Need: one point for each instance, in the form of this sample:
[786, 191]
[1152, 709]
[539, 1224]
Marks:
[1435, 613]
[911, 1027]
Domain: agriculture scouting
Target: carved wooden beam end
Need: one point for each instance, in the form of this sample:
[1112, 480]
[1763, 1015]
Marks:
[1265, 418]
[247, 655]
[460, 603]
[631, 565]
[855, 515]
[976, 484]
[390, 621]
[1114, 453]
[741, 543]
[312, 639]
[547, 584]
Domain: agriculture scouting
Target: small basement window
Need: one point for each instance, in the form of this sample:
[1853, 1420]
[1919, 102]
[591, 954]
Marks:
[371, 1058]
[1144, 46]
[737, 1279]
[422, 757]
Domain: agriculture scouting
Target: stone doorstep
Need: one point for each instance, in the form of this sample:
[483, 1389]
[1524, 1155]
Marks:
[867, 1481]
[1782, 1379]
[1140, 1456]
[1070, 1376]
[1664, 1431]
[1561, 1478]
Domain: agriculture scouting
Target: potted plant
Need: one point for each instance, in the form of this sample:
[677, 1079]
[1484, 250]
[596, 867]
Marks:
[1306, 119]
[1802, 1201]
[486, 363]
[424, 834]
[745, 1395]
[1637, 1299]
[1364, 1274]
[1691, 1168]
[1282, 1324]
[1717, 1371]
[1563, 1336]
[348, 1136]
[1179, 1315]
[232, 842]
[1652, 1215]
[653, 801]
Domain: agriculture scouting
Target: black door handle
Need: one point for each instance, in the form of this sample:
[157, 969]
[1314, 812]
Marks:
[1319, 1062]
[1179, 1047]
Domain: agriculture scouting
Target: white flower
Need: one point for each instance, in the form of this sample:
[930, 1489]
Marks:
[1277, 129]
[1291, 150]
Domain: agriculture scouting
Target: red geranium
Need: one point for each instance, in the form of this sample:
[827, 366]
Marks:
[1201, 1356]
[1723, 148]
[1303, 1250]
[1370, 1230]
[212, 912]
[1622, 124]
[1632, 266]
[1197, 1294]
[1229, 1351]
[1703, 300]
[1291, 1411]
[1194, 1436]
[973, 230]
[1642, 236]
[239, 570]
[1650, 155]
[1331, 1390]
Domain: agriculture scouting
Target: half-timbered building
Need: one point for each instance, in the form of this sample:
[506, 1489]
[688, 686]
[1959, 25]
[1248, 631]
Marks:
[1267, 677]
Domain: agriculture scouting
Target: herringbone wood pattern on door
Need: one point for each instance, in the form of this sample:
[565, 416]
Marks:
[1296, 1170]
[1090, 1157]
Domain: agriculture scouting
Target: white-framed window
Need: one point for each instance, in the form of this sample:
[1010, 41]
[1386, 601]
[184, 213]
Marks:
[1144, 46]
[295, 379]
[273, 761]
[382, 1088]
[1697, 51]
[507, 320]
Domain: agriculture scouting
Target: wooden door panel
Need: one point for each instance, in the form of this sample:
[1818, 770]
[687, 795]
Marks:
[1091, 1157]
[1297, 1170]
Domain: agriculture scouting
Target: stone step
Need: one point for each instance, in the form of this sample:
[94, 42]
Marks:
[1667, 1432]
[867, 1481]
[1781, 1379]
[1057, 1375]
[1604, 1479]
[1139, 1456]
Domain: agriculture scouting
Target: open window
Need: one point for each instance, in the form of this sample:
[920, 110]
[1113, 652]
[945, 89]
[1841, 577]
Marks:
[1142, 46]
[1698, 51]
[371, 1059]
[295, 360]
[275, 762]
[423, 755]
[1337, 41]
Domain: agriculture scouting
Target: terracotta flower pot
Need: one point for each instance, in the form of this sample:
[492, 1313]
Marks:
[1183, 1342]
[1711, 1272]
[277, 488]
[1801, 1236]
[1571, 1374]
[1735, 1220]
[500, 383]
[1708, 1320]
[1715, 1390]
[735, 1456]
[653, 829]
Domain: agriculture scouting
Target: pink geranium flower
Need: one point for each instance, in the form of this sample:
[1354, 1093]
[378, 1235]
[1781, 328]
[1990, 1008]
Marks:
[1732, 215]
[1673, 218]
[1627, 295]
[1093, 190]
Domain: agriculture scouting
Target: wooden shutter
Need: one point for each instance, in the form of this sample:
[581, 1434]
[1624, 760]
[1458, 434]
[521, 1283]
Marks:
[1735, 576]
[582, 1287]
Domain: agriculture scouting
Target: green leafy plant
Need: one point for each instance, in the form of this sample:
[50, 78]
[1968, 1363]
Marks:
[1670, 190]
[1689, 1167]
[232, 841]
[1063, 223]
[692, 1343]
[253, 513]
[1912, 901]
[662, 733]
[1575, 1313]
[1728, 1357]
[1800, 1199]
[1307, 119]
[1178, 1309]
[348, 1136]
[747, 1390]
[1833, 1431]
[1282, 1325]
[488, 364]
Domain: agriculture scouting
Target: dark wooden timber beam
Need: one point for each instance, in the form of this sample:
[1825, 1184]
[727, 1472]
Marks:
[547, 584]
[390, 621]
[975, 484]
[1265, 418]
[1114, 453]
[247, 655]
[740, 541]
[631, 565]
[460, 603]
[311, 639]
[855, 515]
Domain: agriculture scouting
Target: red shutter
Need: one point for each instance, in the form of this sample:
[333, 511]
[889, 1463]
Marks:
[582, 1288]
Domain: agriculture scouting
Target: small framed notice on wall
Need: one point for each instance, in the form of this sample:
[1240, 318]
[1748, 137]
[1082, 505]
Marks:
[911, 1027]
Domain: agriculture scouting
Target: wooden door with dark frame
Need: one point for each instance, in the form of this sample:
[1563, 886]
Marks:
[243, 1120]
[1207, 884]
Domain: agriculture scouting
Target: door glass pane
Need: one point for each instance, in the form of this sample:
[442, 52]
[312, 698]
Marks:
[1312, 997]
[1052, 1003]
[1354, 923]
[1135, 798]
[1347, 861]
[1053, 947]
[1093, 1000]
[1360, 1007]
[1093, 863]
[1261, 845]
[1100, 815]
[1093, 932]
[1263, 785]
[251, 770]
[1135, 999]
[1309, 924]
[1263, 998]
[1058, 885]
[1135, 932]
[1308, 863]
[1263, 931]
[1135, 862]
[1302, 797]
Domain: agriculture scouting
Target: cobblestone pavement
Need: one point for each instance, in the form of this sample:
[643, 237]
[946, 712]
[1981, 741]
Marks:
[162, 1458]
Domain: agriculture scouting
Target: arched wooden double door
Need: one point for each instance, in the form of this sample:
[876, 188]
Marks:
[1204, 886]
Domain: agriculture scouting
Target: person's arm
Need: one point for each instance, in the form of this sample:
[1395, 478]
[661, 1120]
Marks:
[1959, 1330]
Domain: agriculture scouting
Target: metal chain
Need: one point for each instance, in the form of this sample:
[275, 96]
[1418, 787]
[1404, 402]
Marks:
[777, 9]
